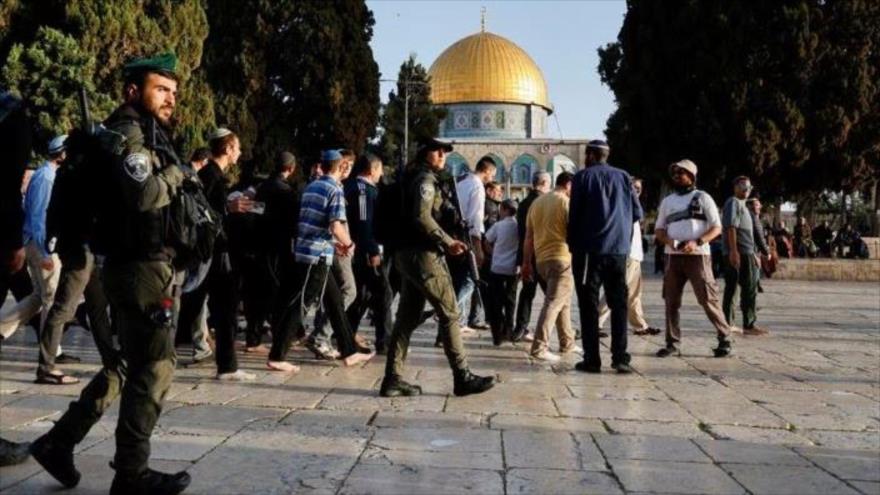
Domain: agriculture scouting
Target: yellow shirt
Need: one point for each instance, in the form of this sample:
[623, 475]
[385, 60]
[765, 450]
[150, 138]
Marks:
[548, 221]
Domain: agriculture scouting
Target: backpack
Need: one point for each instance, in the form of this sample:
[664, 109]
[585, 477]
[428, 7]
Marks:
[388, 215]
[192, 225]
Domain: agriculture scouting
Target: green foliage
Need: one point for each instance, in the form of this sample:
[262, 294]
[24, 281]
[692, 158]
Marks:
[327, 79]
[48, 72]
[60, 44]
[781, 91]
[424, 117]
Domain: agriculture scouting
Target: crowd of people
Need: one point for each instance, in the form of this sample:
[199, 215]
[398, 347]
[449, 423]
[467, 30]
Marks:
[820, 241]
[173, 251]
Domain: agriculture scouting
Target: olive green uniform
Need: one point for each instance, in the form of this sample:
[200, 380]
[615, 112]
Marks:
[141, 177]
[424, 274]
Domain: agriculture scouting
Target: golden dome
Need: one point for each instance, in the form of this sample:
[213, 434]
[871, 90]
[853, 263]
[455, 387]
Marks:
[485, 67]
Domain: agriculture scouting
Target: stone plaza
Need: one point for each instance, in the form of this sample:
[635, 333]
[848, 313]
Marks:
[797, 412]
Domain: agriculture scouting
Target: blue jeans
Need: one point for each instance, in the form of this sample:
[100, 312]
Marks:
[464, 288]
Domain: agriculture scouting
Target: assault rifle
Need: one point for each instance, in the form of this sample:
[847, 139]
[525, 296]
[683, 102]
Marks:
[461, 229]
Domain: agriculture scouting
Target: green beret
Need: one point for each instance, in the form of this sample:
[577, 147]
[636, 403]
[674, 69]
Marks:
[163, 62]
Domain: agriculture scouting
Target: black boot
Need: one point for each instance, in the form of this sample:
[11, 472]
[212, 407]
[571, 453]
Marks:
[723, 349]
[467, 383]
[57, 460]
[150, 483]
[12, 453]
[394, 386]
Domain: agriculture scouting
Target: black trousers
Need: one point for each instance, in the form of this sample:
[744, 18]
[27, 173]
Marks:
[526, 297]
[502, 291]
[373, 292]
[222, 288]
[260, 285]
[301, 290]
[608, 271]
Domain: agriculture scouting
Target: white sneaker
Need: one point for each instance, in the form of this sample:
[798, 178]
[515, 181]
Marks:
[237, 376]
[529, 337]
[574, 349]
[735, 329]
[466, 330]
[548, 356]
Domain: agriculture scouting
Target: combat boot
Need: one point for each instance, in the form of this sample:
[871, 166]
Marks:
[394, 386]
[467, 383]
[723, 349]
[56, 459]
[150, 483]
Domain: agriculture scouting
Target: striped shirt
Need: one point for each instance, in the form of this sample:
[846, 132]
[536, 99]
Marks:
[323, 202]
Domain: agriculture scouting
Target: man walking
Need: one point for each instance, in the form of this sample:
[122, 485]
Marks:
[604, 208]
[540, 185]
[546, 231]
[687, 221]
[138, 274]
[740, 265]
[419, 258]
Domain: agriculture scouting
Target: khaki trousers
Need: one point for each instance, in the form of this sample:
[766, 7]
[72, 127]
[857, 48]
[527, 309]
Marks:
[635, 314]
[40, 301]
[696, 269]
[557, 305]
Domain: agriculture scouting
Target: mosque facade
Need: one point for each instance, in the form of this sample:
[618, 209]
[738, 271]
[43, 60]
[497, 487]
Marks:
[498, 106]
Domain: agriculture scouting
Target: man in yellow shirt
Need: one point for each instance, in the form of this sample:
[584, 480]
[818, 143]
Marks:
[546, 229]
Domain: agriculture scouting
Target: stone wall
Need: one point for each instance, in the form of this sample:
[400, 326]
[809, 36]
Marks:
[823, 269]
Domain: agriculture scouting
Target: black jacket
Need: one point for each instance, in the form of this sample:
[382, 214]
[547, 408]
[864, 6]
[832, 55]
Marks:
[360, 199]
[15, 141]
[276, 228]
[216, 189]
[522, 213]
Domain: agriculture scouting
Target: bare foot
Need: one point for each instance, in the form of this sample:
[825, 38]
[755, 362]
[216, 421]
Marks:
[282, 366]
[357, 358]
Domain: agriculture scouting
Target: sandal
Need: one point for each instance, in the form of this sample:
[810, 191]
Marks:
[53, 379]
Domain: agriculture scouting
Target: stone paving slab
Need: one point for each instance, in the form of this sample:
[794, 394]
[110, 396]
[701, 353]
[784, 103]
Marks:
[798, 411]
[787, 480]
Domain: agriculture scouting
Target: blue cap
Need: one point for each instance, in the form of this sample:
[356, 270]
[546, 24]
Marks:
[598, 144]
[57, 144]
[330, 155]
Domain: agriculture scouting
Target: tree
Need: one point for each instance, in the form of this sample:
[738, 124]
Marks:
[774, 90]
[424, 117]
[48, 71]
[325, 76]
[108, 33]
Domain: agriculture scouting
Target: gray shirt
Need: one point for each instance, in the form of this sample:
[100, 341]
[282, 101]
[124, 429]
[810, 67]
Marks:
[735, 214]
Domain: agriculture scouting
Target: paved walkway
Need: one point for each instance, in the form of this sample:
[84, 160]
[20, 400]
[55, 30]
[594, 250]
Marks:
[797, 412]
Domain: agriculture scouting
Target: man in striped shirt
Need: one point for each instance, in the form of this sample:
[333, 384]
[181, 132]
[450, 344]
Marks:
[322, 232]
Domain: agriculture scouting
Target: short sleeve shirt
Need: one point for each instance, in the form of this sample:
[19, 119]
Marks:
[504, 237]
[548, 221]
[736, 215]
[688, 229]
[323, 202]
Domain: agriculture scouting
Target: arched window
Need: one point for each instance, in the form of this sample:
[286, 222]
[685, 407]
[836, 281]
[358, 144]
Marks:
[456, 164]
[523, 168]
[561, 163]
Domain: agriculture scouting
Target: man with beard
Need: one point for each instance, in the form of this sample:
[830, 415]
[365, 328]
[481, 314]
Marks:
[143, 177]
[687, 221]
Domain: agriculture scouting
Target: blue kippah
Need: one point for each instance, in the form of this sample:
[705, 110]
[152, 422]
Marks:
[330, 155]
[598, 144]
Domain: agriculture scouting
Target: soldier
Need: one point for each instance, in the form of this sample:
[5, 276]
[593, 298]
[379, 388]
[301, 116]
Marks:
[142, 179]
[425, 276]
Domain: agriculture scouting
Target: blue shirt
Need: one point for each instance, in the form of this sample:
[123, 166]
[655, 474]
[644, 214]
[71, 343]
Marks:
[602, 211]
[323, 203]
[36, 203]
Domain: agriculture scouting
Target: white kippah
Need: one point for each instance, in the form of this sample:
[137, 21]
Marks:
[219, 133]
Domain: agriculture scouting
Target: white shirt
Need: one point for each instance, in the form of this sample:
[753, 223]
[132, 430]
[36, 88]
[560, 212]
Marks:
[472, 200]
[688, 229]
[636, 251]
[504, 238]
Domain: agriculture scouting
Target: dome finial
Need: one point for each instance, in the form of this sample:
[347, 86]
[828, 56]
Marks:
[483, 19]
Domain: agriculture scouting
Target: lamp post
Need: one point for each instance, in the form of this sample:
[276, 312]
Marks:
[406, 85]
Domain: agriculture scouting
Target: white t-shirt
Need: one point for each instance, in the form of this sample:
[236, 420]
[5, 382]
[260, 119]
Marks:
[472, 201]
[636, 252]
[687, 229]
[504, 238]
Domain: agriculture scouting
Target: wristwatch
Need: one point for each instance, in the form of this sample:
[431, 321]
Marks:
[700, 241]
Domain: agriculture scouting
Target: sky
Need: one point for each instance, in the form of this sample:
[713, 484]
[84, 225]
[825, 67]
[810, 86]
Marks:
[561, 37]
